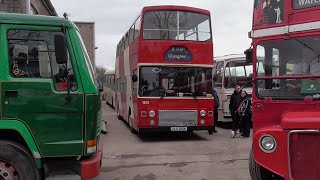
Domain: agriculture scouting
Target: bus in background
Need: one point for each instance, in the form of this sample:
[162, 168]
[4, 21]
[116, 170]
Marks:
[109, 90]
[164, 71]
[286, 117]
[228, 71]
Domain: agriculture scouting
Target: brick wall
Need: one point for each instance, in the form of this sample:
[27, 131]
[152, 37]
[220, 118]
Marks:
[42, 7]
[87, 33]
[14, 6]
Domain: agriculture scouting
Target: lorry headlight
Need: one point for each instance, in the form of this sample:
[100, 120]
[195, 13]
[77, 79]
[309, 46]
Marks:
[203, 113]
[268, 143]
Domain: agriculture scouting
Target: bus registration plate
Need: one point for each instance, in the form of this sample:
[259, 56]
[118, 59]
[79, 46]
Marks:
[179, 129]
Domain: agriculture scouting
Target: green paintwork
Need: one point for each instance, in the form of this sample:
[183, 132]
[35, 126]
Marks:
[23, 130]
[59, 129]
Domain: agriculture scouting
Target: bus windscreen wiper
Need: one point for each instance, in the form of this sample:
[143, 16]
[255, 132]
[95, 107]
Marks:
[194, 95]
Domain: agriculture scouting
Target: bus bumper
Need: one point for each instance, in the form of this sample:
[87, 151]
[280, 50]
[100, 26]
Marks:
[90, 168]
[168, 129]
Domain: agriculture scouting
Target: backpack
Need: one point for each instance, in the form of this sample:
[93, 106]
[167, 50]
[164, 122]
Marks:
[245, 108]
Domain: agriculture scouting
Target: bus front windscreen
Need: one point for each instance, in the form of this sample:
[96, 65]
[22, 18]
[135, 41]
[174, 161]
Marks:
[175, 81]
[291, 68]
[176, 25]
[237, 72]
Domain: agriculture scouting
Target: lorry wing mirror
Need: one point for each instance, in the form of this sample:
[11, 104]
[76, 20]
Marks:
[134, 78]
[60, 45]
[248, 54]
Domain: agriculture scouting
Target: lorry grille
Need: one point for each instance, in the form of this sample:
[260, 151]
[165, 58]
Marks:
[178, 118]
[304, 155]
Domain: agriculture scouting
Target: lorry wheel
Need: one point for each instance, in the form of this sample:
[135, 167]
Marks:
[257, 172]
[16, 163]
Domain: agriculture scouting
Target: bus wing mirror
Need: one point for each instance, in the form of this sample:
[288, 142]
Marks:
[248, 54]
[60, 45]
[134, 78]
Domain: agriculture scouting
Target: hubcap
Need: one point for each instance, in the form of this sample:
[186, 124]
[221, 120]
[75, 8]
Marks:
[8, 172]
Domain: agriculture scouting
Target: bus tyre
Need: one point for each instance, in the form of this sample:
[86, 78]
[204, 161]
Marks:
[133, 131]
[16, 162]
[257, 172]
[254, 168]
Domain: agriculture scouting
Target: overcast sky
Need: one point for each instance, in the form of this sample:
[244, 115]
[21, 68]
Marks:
[231, 22]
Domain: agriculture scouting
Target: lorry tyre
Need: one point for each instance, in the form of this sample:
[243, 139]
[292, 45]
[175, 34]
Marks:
[16, 162]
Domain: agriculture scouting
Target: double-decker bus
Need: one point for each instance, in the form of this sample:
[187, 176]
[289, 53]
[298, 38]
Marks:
[229, 71]
[286, 117]
[109, 90]
[164, 71]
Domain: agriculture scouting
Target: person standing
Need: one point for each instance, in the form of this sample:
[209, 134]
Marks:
[216, 106]
[245, 113]
[234, 102]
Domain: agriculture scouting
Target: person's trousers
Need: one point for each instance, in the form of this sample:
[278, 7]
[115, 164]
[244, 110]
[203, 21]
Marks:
[245, 125]
[215, 116]
[235, 120]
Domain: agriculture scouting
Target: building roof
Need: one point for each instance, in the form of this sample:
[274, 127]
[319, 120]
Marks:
[51, 8]
[14, 18]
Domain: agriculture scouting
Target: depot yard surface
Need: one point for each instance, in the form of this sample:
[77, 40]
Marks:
[172, 156]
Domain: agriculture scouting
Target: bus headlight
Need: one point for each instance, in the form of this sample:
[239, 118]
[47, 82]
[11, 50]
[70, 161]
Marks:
[203, 113]
[268, 143]
[152, 114]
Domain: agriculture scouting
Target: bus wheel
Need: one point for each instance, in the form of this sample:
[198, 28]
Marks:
[133, 131]
[16, 163]
[118, 114]
[257, 172]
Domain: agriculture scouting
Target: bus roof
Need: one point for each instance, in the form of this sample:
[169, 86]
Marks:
[175, 8]
[109, 72]
[230, 57]
[14, 18]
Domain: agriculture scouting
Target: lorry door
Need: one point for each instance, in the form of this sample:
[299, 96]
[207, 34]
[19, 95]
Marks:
[34, 88]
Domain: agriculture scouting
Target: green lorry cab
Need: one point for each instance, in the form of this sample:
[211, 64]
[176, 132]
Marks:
[50, 100]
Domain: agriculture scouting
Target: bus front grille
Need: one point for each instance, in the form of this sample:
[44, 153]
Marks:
[178, 118]
[304, 156]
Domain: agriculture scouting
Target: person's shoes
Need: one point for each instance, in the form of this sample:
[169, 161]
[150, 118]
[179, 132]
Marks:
[214, 131]
[232, 133]
[245, 136]
[238, 134]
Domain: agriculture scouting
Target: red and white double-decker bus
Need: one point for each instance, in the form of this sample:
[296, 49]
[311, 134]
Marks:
[164, 71]
[286, 117]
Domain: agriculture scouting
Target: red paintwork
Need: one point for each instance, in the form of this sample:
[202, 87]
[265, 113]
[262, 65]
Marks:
[153, 51]
[278, 117]
[305, 165]
[174, 104]
[291, 16]
[301, 120]
[90, 168]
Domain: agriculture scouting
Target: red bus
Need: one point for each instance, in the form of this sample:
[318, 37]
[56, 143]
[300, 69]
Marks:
[286, 91]
[164, 71]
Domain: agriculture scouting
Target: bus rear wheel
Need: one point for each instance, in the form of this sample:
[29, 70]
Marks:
[257, 172]
[16, 163]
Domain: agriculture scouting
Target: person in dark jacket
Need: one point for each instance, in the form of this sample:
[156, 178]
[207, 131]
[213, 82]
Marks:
[216, 106]
[245, 113]
[234, 102]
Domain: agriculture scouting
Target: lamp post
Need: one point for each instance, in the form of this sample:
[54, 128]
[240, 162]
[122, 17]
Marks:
[28, 6]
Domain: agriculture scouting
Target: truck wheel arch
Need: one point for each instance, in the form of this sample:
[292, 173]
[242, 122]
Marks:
[17, 131]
